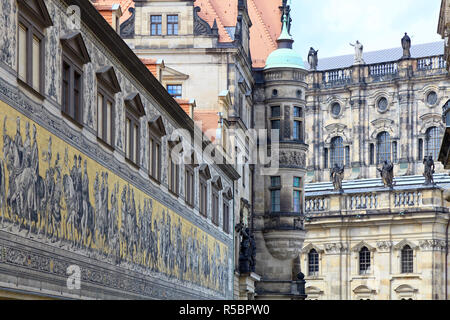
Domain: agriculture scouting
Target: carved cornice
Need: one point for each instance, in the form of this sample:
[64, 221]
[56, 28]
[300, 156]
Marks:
[384, 246]
[432, 245]
[336, 248]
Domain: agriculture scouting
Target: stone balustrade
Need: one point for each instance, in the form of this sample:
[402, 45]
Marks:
[408, 199]
[362, 201]
[378, 72]
[316, 204]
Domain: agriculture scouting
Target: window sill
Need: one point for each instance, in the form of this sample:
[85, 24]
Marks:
[30, 89]
[155, 180]
[407, 276]
[105, 144]
[72, 120]
[176, 195]
[131, 163]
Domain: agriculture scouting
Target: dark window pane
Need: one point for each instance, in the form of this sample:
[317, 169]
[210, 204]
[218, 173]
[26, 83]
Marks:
[276, 111]
[383, 147]
[275, 124]
[174, 90]
[407, 259]
[313, 263]
[432, 143]
[337, 151]
[364, 260]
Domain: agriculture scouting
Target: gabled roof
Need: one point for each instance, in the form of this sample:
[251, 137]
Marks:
[74, 43]
[134, 102]
[157, 125]
[380, 56]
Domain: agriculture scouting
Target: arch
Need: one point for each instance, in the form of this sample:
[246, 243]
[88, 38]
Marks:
[310, 246]
[401, 244]
[337, 151]
[313, 293]
[406, 291]
[384, 147]
[432, 142]
[362, 244]
[364, 292]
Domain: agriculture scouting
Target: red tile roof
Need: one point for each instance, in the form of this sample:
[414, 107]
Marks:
[124, 5]
[209, 122]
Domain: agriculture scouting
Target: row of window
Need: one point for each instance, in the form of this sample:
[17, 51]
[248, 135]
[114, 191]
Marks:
[297, 128]
[275, 194]
[30, 73]
[385, 149]
[406, 261]
[156, 25]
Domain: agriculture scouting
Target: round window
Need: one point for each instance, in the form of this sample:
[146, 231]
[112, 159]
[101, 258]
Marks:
[336, 109]
[274, 92]
[382, 104]
[299, 93]
[432, 98]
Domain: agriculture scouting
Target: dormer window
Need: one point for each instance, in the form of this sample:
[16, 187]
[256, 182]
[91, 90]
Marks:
[74, 57]
[33, 18]
[133, 112]
[172, 25]
[107, 87]
[156, 132]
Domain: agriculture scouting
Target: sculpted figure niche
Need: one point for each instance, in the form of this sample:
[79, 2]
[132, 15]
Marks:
[387, 174]
[428, 170]
[337, 176]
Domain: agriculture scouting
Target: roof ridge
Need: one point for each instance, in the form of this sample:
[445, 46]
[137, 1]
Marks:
[266, 31]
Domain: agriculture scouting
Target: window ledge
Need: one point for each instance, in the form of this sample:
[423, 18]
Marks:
[407, 276]
[72, 120]
[105, 144]
[156, 181]
[29, 89]
[314, 278]
[131, 163]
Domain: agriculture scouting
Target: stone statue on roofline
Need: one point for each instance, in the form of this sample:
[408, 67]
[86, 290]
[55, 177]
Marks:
[337, 176]
[428, 170]
[406, 45]
[313, 59]
[387, 174]
[358, 52]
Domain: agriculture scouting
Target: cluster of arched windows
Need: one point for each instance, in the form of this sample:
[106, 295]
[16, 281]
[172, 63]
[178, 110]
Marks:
[384, 149]
[365, 260]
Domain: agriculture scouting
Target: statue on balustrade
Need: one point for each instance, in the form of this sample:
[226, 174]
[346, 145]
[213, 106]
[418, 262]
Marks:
[313, 59]
[406, 45]
[428, 170]
[337, 176]
[387, 174]
[358, 52]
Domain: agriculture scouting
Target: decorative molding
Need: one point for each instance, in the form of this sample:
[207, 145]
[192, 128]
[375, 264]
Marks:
[401, 244]
[384, 246]
[336, 248]
[432, 245]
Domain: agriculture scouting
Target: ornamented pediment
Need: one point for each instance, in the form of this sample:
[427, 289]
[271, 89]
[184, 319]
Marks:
[403, 243]
[432, 245]
[405, 289]
[361, 245]
[336, 248]
[384, 245]
[157, 126]
[108, 77]
[37, 10]
[170, 74]
[381, 125]
[204, 171]
[337, 129]
[311, 246]
[74, 45]
[430, 120]
[227, 193]
[363, 291]
[217, 183]
[134, 103]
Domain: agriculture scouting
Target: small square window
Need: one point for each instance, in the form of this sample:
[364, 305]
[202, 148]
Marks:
[172, 24]
[297, 182]
[276, 111]
[175, 90]
[155, 25]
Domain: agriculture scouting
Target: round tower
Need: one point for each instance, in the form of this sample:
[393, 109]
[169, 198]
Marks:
[279, 197]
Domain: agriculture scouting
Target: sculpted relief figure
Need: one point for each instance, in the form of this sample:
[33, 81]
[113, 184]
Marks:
[358, 52]
[387, 174]
[428, 170]
[337, 176]
[313, 59]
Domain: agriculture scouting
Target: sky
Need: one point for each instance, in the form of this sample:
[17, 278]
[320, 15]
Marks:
[330, 25]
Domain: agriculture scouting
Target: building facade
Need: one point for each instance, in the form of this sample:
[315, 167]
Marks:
[92, 207]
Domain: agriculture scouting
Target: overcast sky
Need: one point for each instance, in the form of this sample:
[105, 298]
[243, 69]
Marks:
[329, 25]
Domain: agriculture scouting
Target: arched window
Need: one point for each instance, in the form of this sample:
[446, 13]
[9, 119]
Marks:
[313, 263]
[383, 147]
[337, 151]
[364, 260]
[432, 142]
[407, 259]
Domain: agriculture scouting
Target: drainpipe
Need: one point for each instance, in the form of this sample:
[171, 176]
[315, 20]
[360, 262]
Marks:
[234, 238]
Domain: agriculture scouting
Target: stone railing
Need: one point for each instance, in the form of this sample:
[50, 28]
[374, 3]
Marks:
[362, 201]
[316, 204]
[431, 63]
[408, 199]
[379, 72]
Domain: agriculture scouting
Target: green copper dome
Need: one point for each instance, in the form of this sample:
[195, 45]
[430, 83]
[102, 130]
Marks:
[284, 56]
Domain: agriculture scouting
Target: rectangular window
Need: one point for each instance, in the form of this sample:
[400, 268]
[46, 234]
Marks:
[203, 197]
[275, 111]
[372, 153]
[22, 52]
[135, 143]
[420, 151]
[394, 151]
[325, 158]
[297, 201]
[189, 172]
[275, 192]
[226, 217]
[215, 208]
[175, 90]
[347, 156]
[298, 129]
[65, 89]
[100, 115]
[132, 137]
[155, 157]
[105, 116]
[297, 182]
[298, 112]
[275, 124]
[155, 25]
[172, 24]
[174, 174]
[30, 53]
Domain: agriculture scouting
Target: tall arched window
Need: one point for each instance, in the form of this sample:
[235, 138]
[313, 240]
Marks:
[364, 260]
[383, 147]
[313, 263]
[407, 259]
[432, 142]
[337, 151]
